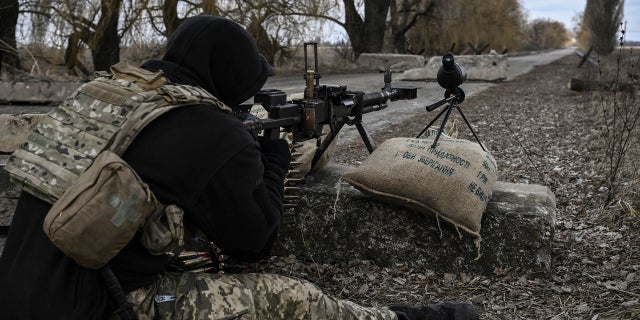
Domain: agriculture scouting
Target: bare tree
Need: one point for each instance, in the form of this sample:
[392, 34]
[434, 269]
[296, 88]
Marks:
[405, 14]
[547, 34]
[602, 18]
[172, 13]
[9, 59]
[366, 33]
[104, 40]
[94, 24]
[456, 23]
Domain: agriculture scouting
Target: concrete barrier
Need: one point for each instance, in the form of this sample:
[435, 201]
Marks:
[487, 67]
[393, 62]
[40, 92]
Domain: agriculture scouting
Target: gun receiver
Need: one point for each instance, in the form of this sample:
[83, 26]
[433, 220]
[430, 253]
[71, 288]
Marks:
[331, 105]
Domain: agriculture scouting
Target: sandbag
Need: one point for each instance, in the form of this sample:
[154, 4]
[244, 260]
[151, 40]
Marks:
[453, 181]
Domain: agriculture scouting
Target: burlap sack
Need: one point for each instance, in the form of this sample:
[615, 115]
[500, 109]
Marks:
[454, 181]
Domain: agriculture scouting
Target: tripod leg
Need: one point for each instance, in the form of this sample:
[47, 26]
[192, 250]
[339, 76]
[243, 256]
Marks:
[444, 121]
[430, 123]
[470, 128]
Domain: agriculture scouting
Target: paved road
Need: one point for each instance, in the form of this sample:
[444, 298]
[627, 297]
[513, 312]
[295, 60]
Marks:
[428, 92]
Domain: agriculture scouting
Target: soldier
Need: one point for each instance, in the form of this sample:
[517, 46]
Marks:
[201, 159]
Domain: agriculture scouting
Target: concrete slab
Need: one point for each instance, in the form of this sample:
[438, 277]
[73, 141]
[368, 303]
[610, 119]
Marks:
[43, 92]
[393, 62]
[487, 67]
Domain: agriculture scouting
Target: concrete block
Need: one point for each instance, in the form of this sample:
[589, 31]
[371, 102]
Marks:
[487, 67]
[335, 222]
[384, 62]
[43, 92]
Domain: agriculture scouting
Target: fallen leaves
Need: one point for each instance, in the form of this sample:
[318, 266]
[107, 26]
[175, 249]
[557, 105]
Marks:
[550, 137]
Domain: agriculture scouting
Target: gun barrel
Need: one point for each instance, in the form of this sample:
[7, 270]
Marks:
[376, 98]
[375, 101]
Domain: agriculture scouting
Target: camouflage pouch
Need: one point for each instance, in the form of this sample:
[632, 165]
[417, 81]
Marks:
[144, 79]
[99, 214]
[164, 231]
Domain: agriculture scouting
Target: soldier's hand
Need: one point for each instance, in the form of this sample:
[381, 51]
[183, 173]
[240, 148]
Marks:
[276, 151]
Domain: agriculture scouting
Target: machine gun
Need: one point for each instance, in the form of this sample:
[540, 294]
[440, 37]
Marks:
[331, 105]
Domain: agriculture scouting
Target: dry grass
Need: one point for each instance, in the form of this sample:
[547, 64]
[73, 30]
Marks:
[540, 133]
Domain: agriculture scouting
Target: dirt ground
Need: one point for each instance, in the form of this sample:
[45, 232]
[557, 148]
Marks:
[540, 132]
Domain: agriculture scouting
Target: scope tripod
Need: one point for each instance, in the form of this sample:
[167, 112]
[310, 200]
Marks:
[453, 100]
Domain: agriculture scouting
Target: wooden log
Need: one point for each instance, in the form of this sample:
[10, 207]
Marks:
[593, 85]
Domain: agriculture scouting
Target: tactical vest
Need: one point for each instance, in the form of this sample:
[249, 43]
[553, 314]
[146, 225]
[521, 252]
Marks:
[106, 113]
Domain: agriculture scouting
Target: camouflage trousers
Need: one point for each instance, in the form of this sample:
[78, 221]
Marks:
[182, 296]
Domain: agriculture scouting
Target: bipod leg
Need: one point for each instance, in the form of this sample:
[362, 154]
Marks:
[326, 142]
[444, 121]
[366, 137]
[470, 128]
[431, 123]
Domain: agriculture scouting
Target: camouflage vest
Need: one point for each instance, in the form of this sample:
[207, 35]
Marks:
[106, 113]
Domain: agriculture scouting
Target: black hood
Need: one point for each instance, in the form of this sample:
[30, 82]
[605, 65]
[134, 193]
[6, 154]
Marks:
[216, 54]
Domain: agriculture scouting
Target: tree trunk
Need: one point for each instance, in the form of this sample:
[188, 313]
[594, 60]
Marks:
[209, 7]
[106, 51]
[405, 14]
[603, 19]
[8, 51]
[266, 46]
[170, 17]
[366, 35]
[72, 50]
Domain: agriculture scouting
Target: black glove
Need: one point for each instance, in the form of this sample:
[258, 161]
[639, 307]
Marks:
[276, 152]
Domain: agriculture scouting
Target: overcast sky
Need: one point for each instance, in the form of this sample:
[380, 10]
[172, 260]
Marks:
[565, 10]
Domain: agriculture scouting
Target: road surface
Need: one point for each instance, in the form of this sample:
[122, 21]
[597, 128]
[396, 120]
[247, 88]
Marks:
[428, 92]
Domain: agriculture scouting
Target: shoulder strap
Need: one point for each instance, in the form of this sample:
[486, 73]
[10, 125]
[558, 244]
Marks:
[143, 78]
[174, 96]
[104, 114]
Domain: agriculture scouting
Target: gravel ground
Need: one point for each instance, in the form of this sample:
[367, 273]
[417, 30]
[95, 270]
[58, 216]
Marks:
[540, 133]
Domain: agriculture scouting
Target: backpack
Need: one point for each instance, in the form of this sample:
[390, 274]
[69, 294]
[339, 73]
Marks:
[72, 160]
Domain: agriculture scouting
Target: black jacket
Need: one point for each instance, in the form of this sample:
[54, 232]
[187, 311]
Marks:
[197, 157]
